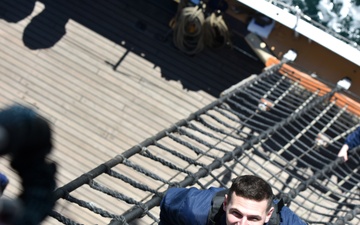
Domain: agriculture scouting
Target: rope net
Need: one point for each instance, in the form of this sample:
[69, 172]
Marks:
[270, 126]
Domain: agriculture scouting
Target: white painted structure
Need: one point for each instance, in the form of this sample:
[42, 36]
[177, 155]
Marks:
[305, 28]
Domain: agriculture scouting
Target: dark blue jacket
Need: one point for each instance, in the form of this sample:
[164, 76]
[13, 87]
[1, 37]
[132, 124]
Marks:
[190, 206]
[353, 139]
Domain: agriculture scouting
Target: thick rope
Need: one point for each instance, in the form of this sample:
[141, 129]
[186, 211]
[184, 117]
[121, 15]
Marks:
[188, 30]
[216, 33]
[132, 182]
[91, 207]
[63, 219]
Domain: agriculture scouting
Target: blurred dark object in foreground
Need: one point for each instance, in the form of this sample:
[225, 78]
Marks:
[26, 138]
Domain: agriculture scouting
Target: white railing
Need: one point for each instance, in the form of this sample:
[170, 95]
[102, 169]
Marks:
[297, 11]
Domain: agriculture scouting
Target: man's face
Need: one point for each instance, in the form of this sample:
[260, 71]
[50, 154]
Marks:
[242, 211]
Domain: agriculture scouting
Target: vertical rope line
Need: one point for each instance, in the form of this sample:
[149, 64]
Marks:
[342, 199]
[286, 93]
[302, 132]
[348, 217]
[342, 135]
[288, 197]
[334, 119]
[274, 87]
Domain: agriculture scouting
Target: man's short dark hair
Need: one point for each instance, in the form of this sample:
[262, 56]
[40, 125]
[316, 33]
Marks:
[252, 187]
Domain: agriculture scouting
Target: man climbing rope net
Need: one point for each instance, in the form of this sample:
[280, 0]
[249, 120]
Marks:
[351, 141]
[248, 201]
[26, 138]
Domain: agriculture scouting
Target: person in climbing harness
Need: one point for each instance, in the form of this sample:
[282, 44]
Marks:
[351, 141]
[248, 201]
[26, 138]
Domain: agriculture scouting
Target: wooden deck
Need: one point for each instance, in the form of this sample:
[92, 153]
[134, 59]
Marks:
[103, 75]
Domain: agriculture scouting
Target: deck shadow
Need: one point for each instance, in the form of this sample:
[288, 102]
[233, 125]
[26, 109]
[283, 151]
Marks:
[14, 11]
[143, 26]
